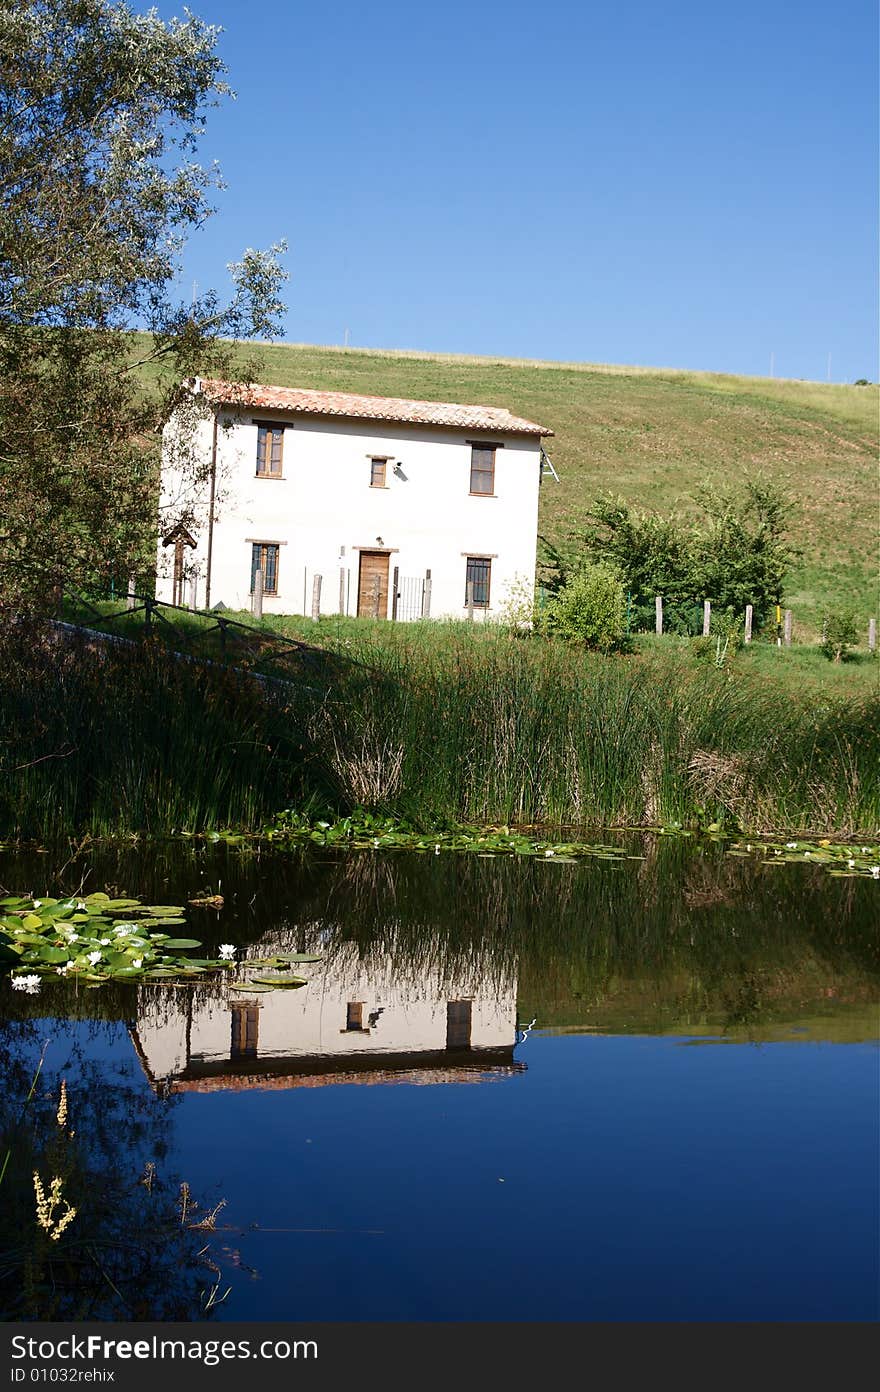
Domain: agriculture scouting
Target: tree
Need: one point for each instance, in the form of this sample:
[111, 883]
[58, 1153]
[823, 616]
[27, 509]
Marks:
[101, 111]
[733, 550]
[590, 608]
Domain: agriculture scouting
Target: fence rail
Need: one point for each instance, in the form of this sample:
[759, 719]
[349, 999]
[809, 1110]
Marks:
[208, 634]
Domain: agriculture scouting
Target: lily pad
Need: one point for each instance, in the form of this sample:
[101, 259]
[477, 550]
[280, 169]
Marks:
[182, 942]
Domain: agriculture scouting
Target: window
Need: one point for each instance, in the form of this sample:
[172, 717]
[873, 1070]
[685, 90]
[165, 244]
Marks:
[458, 1024]
[270, 439]
[483, 469]
[377, 473]
[478, 575]
[264, 557]
[245, 1030]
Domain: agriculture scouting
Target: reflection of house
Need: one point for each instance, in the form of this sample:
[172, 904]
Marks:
[346, 1025]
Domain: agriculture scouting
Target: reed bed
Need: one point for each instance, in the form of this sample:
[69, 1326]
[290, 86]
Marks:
[481, 730]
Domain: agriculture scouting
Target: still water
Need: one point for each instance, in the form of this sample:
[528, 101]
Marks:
[511, 1089]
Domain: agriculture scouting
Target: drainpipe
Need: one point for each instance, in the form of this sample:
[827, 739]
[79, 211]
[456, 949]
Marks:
[211, 513]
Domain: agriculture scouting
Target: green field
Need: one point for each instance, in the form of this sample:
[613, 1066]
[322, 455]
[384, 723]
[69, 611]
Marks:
[653, 435]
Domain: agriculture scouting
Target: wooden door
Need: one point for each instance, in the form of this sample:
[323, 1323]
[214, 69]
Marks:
[373, 566]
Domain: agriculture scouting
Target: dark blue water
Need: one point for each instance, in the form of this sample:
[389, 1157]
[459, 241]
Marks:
[693, 1137]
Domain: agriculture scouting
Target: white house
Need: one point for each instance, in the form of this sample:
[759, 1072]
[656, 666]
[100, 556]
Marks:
[348, 1024]
[357, 490]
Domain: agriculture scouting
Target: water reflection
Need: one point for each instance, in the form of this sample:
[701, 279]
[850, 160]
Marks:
[350, 1023]
[613, 1164]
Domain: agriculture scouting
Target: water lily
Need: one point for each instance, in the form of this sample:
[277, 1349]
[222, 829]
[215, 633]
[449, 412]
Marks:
[791, 845]
[875, 871]
[138, 962]
[94, 958]
[851, 864]
[227, 951]
[549, 853]
[105, 942]
[64, 968]
[29, 984]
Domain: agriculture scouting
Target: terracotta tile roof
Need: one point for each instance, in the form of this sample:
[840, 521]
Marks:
[419, 1077]
[305, 402]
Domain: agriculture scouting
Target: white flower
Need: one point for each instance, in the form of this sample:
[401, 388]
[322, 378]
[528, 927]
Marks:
[30, 984]
[851, 864]
[38, 903]
[81, 905]
[436, 850]
[865, 850]
[94, 957]
[549, 853]
[791, 845]
[121, 932]
[138, 962]
[105, 942]
[875, 871]
[806, 855]
[227, 950]
[63, 970]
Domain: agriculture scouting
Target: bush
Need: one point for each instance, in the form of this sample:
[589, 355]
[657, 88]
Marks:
[590, 609]
[839, 633]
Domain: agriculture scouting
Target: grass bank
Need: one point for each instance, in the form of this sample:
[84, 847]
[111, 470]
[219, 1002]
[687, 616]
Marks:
[484, 730]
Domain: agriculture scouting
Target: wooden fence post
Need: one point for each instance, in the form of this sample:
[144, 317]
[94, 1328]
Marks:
[342, 589]
[316, 596]
[426, 596]
[395, 581]
[377, 589]
[257, 597]
[707, 617]
[872, 635]
[148, 615]
[786, 628]
[470, 601]
[193, 590]
[658, 613]
[749, 611]
[129, 598]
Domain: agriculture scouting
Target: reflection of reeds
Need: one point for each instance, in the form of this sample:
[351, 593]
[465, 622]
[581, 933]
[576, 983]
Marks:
[461, 729]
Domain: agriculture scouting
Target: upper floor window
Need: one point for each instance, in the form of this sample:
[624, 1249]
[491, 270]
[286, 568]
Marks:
[270, 443]
[377, 472]
[483, 469]
[264, 558]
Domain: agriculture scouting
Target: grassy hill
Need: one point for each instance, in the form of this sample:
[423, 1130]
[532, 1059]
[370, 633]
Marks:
[652, 435]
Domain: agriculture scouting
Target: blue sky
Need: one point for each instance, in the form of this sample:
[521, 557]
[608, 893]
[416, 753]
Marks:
[669, 184]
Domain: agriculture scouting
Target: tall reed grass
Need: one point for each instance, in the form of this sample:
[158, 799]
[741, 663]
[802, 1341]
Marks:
[491, 731]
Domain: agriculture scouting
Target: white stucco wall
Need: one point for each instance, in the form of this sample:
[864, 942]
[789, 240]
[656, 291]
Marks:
[322, 512]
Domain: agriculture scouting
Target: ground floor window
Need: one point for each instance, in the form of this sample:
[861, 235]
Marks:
[264, 558]
[478, 575]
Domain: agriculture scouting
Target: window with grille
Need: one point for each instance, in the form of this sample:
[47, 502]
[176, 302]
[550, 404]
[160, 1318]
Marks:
[264, 557]
[245, 1030]
[377, 473]
[270, 442]
[478, 574]
[483, 469]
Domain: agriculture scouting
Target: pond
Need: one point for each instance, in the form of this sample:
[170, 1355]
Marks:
[633, 1089]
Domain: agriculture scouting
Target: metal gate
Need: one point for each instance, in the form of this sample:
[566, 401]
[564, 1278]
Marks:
[413, 597]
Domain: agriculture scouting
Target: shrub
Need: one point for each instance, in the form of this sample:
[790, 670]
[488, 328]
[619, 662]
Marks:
[591, 609]
[839, 633]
